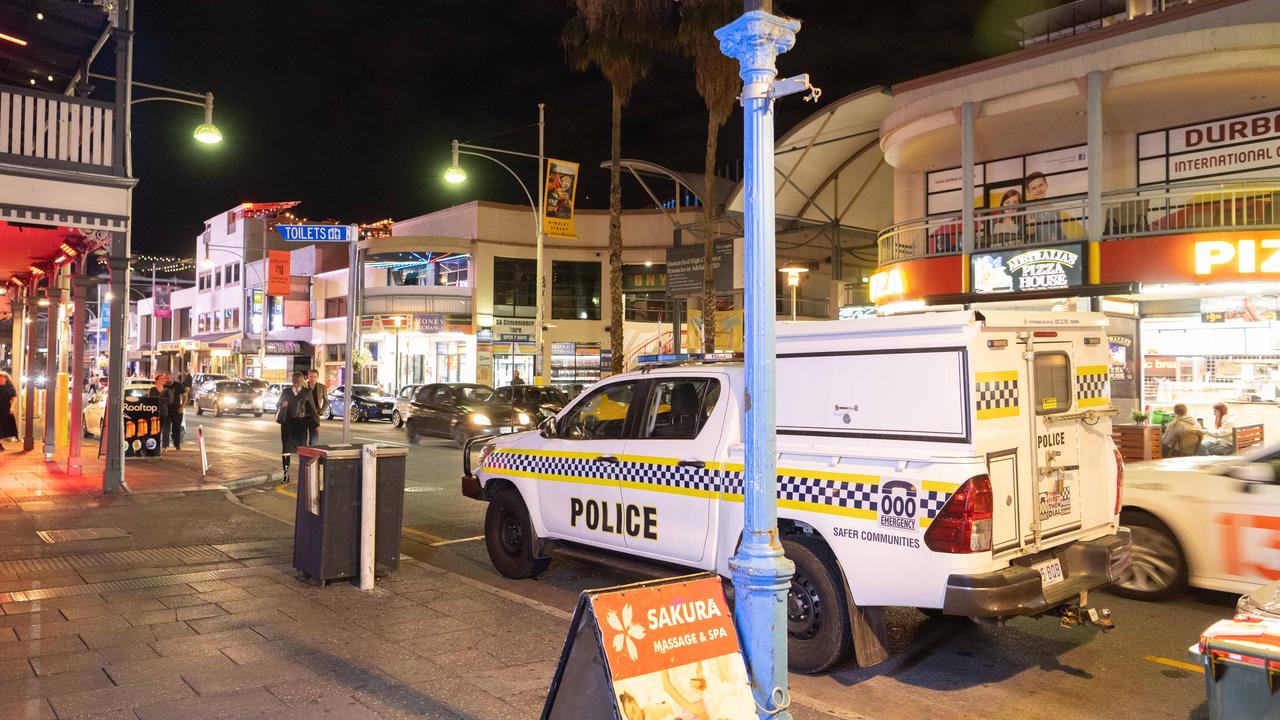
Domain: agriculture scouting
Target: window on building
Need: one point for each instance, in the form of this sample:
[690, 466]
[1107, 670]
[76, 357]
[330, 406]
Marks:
[236, 268]
[575, 290]
[515, 287]
[335, 307]
[235, 318]
[454, 272]
[200, 326]
[202, 281]
[217, 277]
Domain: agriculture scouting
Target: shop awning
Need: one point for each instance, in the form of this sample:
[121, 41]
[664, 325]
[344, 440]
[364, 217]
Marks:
[205, 341]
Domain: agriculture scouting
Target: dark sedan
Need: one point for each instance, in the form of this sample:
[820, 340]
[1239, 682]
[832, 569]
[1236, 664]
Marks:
[539, 401]
[461, 411]
[227, 396]
[368, 402]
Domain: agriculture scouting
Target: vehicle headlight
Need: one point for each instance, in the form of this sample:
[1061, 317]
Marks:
[522, 418]
[229, 401]
[479, 419]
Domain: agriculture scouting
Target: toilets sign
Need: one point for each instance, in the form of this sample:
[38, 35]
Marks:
[315, 233]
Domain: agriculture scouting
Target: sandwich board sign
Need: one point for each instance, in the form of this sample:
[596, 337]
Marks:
[655, 649]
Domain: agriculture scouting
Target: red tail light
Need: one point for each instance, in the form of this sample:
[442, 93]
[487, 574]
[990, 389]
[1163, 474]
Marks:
[1119, 479]
[964, 523]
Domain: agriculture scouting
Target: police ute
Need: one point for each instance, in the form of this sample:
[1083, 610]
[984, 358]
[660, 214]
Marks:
[958, 462]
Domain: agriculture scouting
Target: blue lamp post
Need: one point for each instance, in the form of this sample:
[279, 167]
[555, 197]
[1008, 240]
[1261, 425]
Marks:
[761, 573]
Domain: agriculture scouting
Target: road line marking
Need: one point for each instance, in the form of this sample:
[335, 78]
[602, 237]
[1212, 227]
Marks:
[1175, 663]
[280, 489]
[422, 536]
[459, 540]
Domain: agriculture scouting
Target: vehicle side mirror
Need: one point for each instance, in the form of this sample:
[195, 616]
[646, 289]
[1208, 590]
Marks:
[548, 426]
[1253, 473]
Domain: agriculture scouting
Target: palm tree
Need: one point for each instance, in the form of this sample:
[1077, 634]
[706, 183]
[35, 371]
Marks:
[619, 38]
[718, 83]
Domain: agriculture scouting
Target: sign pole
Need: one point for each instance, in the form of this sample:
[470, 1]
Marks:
[348, 373]
[761, 573]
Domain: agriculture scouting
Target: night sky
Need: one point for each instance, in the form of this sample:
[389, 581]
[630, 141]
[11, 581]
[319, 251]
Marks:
[349, 106]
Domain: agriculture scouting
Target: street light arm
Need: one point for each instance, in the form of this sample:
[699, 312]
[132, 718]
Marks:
[537, 222]
[159, 98]
[497, 150]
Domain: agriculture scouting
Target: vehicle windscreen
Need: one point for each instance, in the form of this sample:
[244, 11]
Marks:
[366, 390]
[234, 387]
[545, 394]
[471, 393]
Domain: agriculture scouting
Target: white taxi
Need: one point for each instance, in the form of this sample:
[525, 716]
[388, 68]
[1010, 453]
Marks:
[1208, 522]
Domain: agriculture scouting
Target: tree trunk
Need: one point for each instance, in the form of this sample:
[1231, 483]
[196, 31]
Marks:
[709, 238]
[616, 336]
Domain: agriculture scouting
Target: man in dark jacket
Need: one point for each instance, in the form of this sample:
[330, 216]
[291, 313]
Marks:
[320, 396]
[163, 398]
[177, 403]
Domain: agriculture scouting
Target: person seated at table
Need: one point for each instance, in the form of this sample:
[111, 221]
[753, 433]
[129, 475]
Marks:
[1220, 439]
[1182, 434]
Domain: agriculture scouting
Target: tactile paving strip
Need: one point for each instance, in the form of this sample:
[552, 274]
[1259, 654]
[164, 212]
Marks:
[137, 583]
[158, 557]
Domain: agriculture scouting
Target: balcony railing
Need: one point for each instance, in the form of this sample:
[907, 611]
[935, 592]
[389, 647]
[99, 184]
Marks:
[1160, 210]
[46, 130]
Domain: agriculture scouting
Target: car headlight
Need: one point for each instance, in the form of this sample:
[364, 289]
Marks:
[229, 401]
[522, 418]
[479, 419]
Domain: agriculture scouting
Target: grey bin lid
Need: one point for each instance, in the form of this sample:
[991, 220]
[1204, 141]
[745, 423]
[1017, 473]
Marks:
[348, 452]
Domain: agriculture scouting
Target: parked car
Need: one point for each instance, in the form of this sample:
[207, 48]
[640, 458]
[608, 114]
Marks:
[271, 396]
[540, 401]
[462, 411]
[228, 396]
[368, 403]
[1201, 521]
[404, 404]
[94, 412]
[257, 384]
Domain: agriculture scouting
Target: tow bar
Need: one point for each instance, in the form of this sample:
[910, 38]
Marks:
[1079, 613]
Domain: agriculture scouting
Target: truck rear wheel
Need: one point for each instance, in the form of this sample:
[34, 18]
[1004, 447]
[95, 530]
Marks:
[818, 628]
[508, 536]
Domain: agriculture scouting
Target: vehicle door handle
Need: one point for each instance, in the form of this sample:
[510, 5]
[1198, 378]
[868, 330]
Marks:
[607, 459]
[692, 463]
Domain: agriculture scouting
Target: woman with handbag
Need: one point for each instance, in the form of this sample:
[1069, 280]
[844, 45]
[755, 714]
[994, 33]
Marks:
[296, 413]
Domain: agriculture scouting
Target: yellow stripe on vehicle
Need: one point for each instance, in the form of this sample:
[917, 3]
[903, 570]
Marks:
[1093, 402]
[997, 376]
[1003, 412]
[1092, 370]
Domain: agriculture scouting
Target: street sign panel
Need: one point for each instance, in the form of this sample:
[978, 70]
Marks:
[315, 233]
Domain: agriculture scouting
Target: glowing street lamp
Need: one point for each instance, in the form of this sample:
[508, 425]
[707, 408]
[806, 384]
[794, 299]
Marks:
[455, 175]
[793, 281]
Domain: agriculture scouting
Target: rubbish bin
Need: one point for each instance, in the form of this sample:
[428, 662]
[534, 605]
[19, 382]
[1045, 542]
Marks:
[1241, 659]
[326, 530]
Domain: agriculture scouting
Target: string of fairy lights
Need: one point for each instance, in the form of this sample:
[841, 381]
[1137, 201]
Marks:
[163, 264]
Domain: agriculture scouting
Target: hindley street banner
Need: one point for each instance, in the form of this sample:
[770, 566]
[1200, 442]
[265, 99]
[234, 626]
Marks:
[163, 308]
[666, 649]
[278, 273]
[560, 190]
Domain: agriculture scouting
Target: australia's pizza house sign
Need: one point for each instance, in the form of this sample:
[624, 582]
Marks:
[1043, 268]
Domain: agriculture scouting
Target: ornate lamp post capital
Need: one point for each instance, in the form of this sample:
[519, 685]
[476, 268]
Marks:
[756, 39]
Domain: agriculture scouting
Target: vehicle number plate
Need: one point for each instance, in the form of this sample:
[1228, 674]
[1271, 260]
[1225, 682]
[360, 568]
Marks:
[1050, 572]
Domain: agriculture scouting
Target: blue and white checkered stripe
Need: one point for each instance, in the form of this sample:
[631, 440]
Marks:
[853, 495]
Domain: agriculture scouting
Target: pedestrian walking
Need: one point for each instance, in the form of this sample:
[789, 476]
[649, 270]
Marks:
[186, 386]
[296, 413]
[515, 378]
[8, 423]
[319, 396]
[163, 398]
[177, 404]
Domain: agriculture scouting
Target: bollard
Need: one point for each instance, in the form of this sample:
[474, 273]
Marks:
[368, 512]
